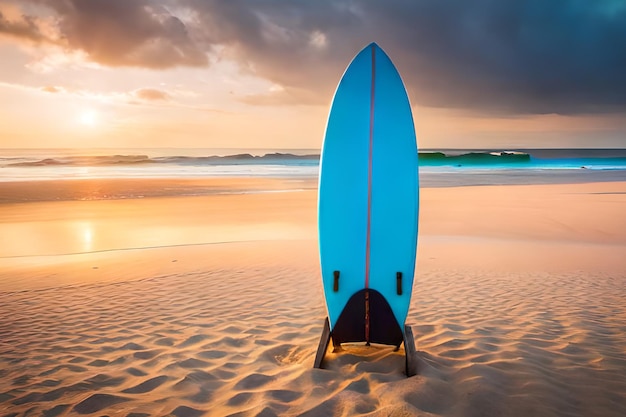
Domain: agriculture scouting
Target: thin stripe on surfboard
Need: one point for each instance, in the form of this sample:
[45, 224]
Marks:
[369, 195]
[369, 171]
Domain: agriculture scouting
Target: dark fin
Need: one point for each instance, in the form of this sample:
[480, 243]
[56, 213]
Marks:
[384, 327]
[336, 281]
[321, 348]
[351, 324]
[409, 351]
[367, 318]
[399, 283]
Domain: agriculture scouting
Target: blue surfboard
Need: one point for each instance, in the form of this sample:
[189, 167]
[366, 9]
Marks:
[368, 203]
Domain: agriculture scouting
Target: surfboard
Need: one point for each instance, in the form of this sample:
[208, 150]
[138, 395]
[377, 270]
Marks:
[368, 203]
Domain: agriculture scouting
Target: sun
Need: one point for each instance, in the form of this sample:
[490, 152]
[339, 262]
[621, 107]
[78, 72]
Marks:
[88, 117]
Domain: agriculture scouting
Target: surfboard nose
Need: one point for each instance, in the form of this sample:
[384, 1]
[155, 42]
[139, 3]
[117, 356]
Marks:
[374, 48]
[371, 47]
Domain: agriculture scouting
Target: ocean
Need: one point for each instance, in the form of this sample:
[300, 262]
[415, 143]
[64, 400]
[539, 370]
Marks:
[438, 168]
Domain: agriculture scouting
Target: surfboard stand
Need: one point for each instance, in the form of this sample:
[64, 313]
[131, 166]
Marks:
[323, 345]
[409, 349]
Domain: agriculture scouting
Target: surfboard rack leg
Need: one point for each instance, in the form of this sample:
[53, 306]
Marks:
[409, 351]
[321, 348]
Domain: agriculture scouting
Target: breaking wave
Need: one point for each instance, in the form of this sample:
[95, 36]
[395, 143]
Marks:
[112, 160]
[474, 158]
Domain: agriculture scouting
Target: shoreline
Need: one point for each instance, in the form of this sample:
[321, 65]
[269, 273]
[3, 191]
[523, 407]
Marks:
[69, 189]
[73, 189]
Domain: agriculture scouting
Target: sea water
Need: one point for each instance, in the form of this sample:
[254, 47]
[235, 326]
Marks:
[447, 167]
[54, 164]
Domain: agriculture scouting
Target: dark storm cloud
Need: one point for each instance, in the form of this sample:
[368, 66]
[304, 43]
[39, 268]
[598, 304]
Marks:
[501, 56]
[274, 38]
[532, 56]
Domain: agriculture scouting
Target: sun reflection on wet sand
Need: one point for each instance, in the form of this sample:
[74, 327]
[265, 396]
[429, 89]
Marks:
[86, 232]
[74, 227]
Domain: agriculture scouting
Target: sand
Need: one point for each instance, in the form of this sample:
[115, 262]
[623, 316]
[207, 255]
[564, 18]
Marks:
[211, 304]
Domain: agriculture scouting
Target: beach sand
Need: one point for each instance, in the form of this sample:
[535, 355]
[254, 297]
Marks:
[211, 303]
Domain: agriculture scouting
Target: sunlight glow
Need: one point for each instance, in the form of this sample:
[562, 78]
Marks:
[89, 118]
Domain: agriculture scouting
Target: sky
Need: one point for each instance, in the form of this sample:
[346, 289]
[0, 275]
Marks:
[260, 74]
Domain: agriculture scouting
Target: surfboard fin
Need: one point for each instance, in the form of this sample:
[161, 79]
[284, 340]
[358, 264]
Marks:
[336, 281]
[367, 317]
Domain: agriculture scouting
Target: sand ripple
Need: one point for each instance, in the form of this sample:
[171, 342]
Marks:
[241, 342]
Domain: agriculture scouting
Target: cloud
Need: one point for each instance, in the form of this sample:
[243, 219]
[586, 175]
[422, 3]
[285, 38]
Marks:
[25, 28]
[282, 97]
[116, 32]
[151, 94]
[300, 45]
[52, 89]
[488, 56]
